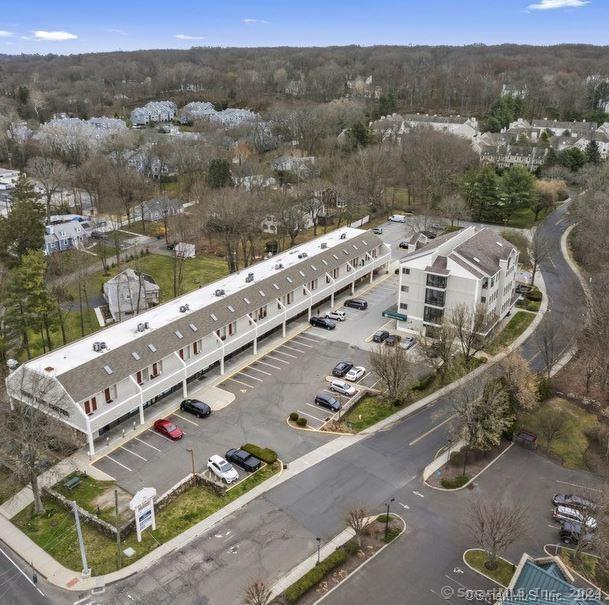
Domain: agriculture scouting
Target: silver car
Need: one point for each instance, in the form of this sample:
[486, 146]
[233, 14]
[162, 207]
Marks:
[342, 387]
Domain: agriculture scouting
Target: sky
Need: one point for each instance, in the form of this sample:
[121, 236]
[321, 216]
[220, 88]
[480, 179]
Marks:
[67, 26]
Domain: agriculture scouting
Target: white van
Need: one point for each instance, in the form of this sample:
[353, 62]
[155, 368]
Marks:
[397, 218]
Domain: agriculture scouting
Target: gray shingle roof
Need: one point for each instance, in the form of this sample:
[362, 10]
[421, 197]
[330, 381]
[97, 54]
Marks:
[485, 249]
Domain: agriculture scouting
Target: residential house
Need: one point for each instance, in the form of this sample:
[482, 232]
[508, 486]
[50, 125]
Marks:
[129, 293]
[254, 182]
[508, 155]
[469, 267]
[574, 128]
[157, 209]
[301, 167]
[66, 234]
[154, 112]
[461, 126]
[197, 110]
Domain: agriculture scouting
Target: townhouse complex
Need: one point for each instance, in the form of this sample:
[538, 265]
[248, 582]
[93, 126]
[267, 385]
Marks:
[99, 381]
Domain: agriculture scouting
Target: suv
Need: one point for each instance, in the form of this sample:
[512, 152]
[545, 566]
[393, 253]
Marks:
[392, 340]
[222, 469]
[325, 400]
[380, 336]
[196, 407]
[336, 315]
[403, 244]
[565, 513]
[342, 388]
[407, 342]
[243, 459]
[356, 303]
[377, 230]
[341, 368]
[322, 322]
[573, 501]
[571, 533]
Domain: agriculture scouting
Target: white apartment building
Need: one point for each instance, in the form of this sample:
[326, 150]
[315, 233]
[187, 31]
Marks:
[472, 267]
[115, 374]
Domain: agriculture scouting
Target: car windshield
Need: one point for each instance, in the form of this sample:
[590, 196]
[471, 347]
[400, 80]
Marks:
[170, 427]
[225, 467]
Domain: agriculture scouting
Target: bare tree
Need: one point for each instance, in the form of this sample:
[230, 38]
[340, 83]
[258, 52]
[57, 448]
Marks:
[356, 519]
[439, 346]
[395, 372]
[522, 384]
[539, 252]
[470, 329]
[495, 525]
[51, 174]
[554, 424]
[546, 342]
[454, 208]
[257, 593]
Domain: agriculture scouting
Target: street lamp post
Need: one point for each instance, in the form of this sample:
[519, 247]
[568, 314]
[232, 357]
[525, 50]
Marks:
[387, 504]
[318, 549]
[192, 459]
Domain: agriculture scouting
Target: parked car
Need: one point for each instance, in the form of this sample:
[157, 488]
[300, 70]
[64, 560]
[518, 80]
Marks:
[222, 469]
[341, 368]
[356, 303]
[243, 459]
[397, 218]
[168, 429]
[380, 336]
[342, 387]
[170, 246]
[438, 227]
[566, 513]
[322, 322]
[523, 288]
[571, 533]
[196, 407]
[336, 315]
[403, 244]
[328, 401]
[355, 373]
[392, 340]
[407, 342]
[377, 230]
[573, 501]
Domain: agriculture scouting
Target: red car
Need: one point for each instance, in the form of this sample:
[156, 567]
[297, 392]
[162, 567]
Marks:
[168, 428]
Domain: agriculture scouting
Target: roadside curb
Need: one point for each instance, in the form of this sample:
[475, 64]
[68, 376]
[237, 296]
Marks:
[481, 572]
[310, 430]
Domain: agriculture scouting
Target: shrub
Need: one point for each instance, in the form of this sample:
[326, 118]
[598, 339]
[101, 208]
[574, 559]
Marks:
[262, 453]
[458, 481]
[313, 577]
[392, 534]
[294, 416]
[383, 518]
[423, 383]
[544, 389]
[351, 547]
[301, 422]
[534, 294]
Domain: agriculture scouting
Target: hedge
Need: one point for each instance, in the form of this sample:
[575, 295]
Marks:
[423, 383]
[313, 577]
[262, 453]
[301, 421]
[293, 416]
[458, 481]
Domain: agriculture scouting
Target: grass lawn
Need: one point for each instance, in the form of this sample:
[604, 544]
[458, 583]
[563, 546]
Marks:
[86, 492]
[367, 412]
[514, 328]
[54, 531]
[524, 218]
[9, 486]
[503, 574]
[571, 445]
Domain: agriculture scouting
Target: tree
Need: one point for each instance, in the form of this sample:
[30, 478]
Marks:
[555, 424]
[480, 187]
[23, 228]
[454, 208]
[356, 519]
[470, 329]
[33, 434]
[517, 190]
[546, 343]
[539, 252]
[257, 593]
[522, 384]
[218, 174]
[395, 372]
[572, 158]
[495, 525]
[549, 193]
[439, 346]
[593, 155]
[503, 111]
[359, 134]
[52, 176]
[521, 242]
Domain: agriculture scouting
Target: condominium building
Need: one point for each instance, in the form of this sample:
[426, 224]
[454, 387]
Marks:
[115, 374]
[470, 267]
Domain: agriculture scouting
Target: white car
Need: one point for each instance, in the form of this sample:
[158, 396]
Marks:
[222, 469]
[336, 315]
[342, 387]
[397, 218]
[566, 513]
[355, 373]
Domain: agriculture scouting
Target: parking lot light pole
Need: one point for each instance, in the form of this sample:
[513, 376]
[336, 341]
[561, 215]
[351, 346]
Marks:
[192, 459]
[387, 504]
[318, 549]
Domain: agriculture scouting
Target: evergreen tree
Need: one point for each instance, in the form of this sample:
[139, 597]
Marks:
[518, 189]
[593, 155]
[573, 158]
[551, 158]
[360, 134]
[218, 174]
[480, 188]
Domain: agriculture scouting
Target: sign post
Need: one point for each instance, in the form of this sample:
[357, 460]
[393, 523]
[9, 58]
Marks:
[142, 504]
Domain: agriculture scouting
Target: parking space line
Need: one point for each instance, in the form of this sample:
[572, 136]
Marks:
[258, 370]
[287, 363]
[249, 386]
[302, 344]
[134, 453]
[286, 354]
[315, 407]
[117, 462]
[248, 376]
[186, 419]
[148, 444]
[293, 349]
[161, 436]
[315, 340]
[268, 364]
[311, 416]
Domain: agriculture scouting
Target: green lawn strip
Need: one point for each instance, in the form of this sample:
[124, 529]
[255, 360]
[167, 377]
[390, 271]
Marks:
[54, 531]
[9, 485]
[503, 574]
[571, 445]
[514, 328]
[86, 492]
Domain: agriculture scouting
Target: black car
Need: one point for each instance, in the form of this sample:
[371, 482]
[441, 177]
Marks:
[573, 501]
[325, 400]
[341, 368]
[571, 533]
[243, 459]
[356, 303]
[403, 244]
[170, 246]
[322, 322]
[392, 340]
[196, 407]
[380, 336]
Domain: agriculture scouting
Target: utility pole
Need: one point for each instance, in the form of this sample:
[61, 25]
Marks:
[192, 459]
[118, 533]
[86, 572]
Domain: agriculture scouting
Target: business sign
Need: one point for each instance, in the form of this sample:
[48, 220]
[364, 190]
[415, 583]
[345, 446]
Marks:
[142, 504]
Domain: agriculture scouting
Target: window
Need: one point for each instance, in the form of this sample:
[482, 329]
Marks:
[403, 306]
[156, 369]
[485, 283]
[110, 394]
[313, 285]
[405, 288]
[405, 271]
[221, 333]
[196, 347]
[232, 328]
[90, 405]
[289, 298]
[436, 281]
[261, 313]
[432, 315]
[492, 281]
[483, 299]
[435, 297]
[335, 273]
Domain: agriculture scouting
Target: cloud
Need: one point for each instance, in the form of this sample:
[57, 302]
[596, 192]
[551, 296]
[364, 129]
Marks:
[57, 36]
[545, 5]
[187, 37]
[255, 21]
[120, 32]
[5, 34]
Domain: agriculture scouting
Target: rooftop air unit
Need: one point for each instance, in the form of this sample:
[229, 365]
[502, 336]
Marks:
[97, 347]
[219, 292]
[278, 266]
[303, 255]
[343, 236]
[141, 327]
[184, 308]
[249, 278]
[323, 245]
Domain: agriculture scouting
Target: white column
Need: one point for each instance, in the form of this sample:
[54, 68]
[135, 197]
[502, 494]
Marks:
[369, 256]
[89, 436]
[310, 300]
[333, 282]
[184, 383]
[141, 407]
[285, 316]
[251, 318]
[221, 342]
[354, 274]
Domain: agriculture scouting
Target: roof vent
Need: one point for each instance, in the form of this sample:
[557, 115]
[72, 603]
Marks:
[343, 236]
[323, 245]
[278, 266]
[108, 370]
[249, 278]
[135, 355]
[184, 308]
[303, 255]
[500, 244]
[476, 259]
[220, 292]
[97, 347]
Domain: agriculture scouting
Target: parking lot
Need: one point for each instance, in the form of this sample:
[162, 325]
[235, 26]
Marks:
[266, 391]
